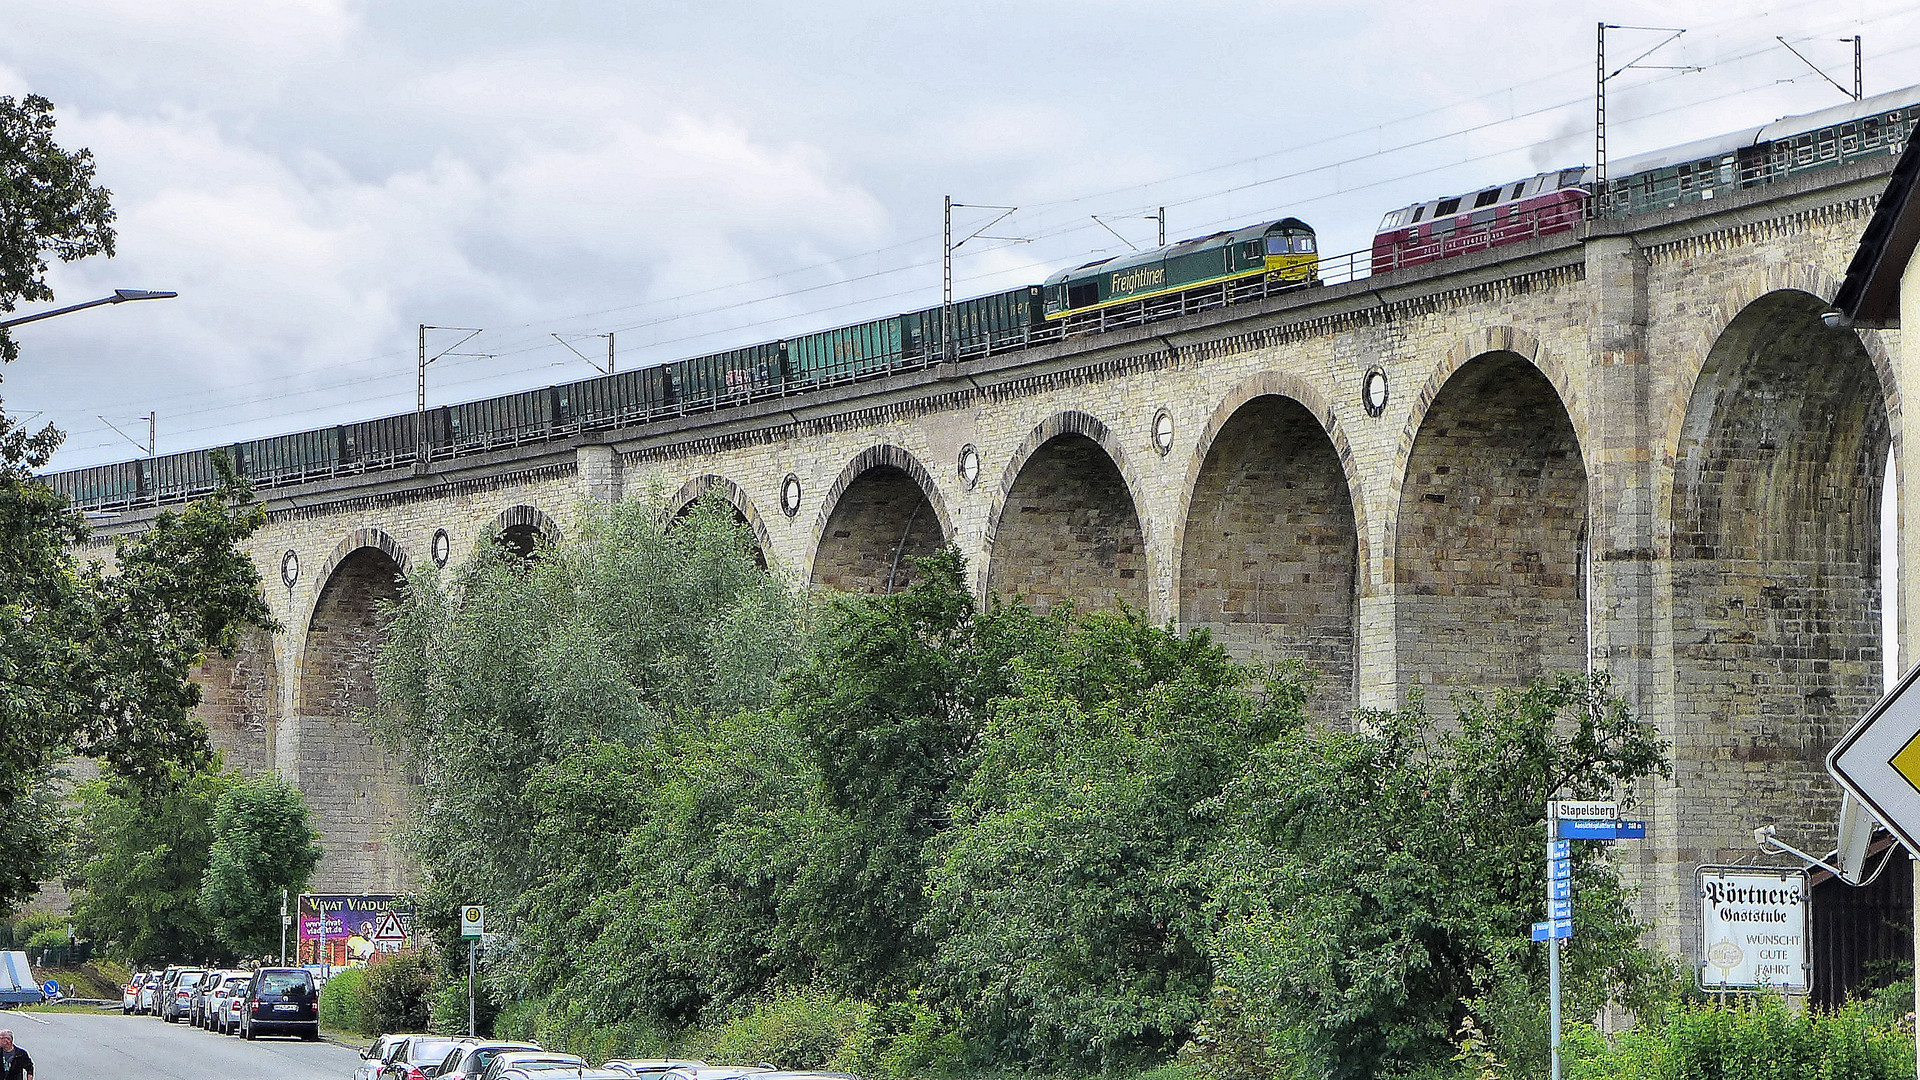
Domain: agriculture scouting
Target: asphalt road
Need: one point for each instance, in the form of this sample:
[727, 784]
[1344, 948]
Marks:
[69, 1046]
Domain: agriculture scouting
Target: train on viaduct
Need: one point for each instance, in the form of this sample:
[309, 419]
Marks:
[1632, 445]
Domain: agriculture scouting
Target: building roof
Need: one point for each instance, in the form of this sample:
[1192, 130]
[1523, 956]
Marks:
[1870, 295]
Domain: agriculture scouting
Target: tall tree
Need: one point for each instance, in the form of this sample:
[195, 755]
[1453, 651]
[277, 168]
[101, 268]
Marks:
[501, 680]
[264, 848]
[49, 206]
[139, 856]
[1376, 885]
[1069, 900]
[892, 703]
[92, 661]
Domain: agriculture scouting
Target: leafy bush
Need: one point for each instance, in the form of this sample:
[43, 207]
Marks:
[568, 1025]
[903, 1040]
[340, 1002]
[793, 1029]
[1068, 900]
[1754, 1040]
[394, 995]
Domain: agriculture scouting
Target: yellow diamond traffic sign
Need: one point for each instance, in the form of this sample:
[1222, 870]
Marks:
[1907, 761]
[1878, 762]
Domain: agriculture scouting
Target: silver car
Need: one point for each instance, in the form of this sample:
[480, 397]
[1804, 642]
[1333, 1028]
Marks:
[530, 1061]
[377, 1055]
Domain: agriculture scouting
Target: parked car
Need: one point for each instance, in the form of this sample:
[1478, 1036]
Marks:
[176, 996]
[144, 1004]
[418, 1057]
[373, 1057]
[529, 1060]
[219, 1001]
[562, 1072]
[469, 1058]
[281, 1001]
[715, 1072]
[130, 993]
[651, 1068]
[197, 1001]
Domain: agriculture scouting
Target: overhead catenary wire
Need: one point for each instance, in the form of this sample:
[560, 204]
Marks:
[285, 388]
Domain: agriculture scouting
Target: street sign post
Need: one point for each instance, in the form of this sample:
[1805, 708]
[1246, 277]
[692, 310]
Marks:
[391, 934]
[473, 926]
[1569, 820]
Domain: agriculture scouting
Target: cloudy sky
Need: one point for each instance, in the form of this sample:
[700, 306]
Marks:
[318, 177]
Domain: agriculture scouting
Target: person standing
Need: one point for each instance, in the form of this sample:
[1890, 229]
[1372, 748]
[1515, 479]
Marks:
[15, 1064]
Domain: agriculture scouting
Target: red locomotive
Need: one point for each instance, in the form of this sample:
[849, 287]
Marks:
[1548, 202]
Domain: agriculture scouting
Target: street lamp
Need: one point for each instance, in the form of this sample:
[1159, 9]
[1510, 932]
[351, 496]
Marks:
[120, 296]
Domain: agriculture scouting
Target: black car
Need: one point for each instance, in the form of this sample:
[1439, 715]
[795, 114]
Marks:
[281, 1001]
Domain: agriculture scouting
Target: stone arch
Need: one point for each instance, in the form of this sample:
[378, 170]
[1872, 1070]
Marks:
[1737, 297]
[1773, 534]
[1478, 343]
[1269, 536]
[1078, 533]
[522, 527]
[882, 508]
[736, 497]
[1287, 385]
[1486, 540]
[365, 538]
[356, 789]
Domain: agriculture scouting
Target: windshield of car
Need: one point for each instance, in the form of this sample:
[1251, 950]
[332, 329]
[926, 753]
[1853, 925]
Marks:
[283, 982]
[236, 981]
[421, 1051]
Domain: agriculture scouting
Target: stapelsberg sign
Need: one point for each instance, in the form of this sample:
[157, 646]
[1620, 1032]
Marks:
[1753, 928]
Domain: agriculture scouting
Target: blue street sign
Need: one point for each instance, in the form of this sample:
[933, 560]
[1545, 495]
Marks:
[1559, 890]
[1559, 849]
[1560, 870]
[1560, 909]
[1586, 830]
[1600, 830]
[1555, 928]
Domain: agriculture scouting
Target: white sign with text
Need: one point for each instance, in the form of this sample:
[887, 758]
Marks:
[1753, 929]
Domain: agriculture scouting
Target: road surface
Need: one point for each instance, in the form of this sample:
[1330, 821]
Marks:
[71, 1046]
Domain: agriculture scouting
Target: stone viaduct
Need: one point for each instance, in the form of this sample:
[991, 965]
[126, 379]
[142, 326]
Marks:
[1636, 447]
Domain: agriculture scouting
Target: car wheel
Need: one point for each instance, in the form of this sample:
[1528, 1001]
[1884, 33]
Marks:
[247, 1033]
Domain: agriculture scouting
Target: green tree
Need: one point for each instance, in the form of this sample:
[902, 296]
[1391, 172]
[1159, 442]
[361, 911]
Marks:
[891, 703]
[263, 847]
[49, 206]
[98, 662]
[1070, 899]
[92, 662]
[499, 679]
[139, 856]
[1377, 883]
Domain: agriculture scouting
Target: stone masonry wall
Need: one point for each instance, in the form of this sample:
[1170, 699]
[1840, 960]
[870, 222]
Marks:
[880, 525]
[1487, 562]
[1269, 558]
[356, 789]
[1603, 336]
[1070, 533]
